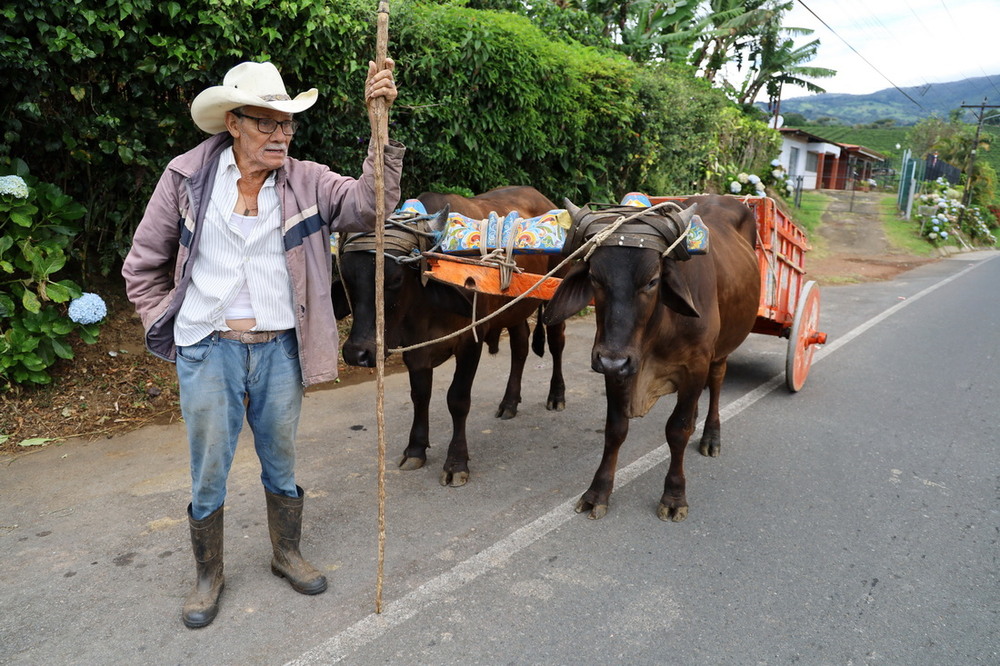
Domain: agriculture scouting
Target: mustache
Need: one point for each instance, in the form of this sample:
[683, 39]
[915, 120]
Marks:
[274, 146]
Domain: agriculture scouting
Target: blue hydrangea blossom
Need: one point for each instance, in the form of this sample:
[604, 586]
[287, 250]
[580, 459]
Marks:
[14, 186]
[88, 309]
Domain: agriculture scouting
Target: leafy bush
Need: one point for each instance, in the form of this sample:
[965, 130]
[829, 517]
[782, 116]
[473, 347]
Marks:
[941, 215]
[749, 184]
[743, 145]
[37, 225]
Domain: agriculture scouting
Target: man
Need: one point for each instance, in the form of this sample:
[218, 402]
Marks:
[230, 271]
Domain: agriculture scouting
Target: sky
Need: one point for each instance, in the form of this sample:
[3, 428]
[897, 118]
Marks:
[900, 43]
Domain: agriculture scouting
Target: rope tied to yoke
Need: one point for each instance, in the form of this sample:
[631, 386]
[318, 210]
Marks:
[587, 245]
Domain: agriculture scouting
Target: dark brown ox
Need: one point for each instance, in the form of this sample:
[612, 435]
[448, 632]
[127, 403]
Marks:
[665, 324]
[418, 311]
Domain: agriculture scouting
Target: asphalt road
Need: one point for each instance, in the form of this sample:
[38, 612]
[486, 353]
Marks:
[855, 522]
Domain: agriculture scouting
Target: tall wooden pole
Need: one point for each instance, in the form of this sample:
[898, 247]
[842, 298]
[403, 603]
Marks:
[378, 116]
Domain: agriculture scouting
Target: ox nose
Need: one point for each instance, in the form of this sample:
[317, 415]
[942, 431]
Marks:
[612, 365]
[359, 355]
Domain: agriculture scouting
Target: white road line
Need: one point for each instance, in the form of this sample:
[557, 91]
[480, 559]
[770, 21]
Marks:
[397, 612]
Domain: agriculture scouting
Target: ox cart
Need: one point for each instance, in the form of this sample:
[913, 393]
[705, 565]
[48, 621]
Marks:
[789, 304]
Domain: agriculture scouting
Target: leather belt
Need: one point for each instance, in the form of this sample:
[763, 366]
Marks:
[249, 337]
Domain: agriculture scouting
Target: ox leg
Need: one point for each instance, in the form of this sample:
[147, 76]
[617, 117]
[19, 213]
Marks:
[421, 384]
[456, 466]
[557, 385]
[711, 436]
[673, 504]
[518, 357]
[595, 500]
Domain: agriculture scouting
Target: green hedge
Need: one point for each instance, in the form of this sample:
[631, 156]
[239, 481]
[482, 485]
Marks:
[99, 93]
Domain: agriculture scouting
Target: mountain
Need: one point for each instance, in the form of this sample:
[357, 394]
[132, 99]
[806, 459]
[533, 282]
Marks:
[931, 99]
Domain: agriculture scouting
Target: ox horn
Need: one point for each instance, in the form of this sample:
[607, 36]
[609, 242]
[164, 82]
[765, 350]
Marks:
[573, 209]
[686, 214]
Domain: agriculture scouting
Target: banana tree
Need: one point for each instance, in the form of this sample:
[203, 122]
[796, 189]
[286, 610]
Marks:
[777, 62]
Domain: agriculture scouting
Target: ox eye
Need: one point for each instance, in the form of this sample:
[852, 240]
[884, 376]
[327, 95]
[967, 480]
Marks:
[394, 282]
[652, 284]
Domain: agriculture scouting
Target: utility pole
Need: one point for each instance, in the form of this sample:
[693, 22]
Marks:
[967, 196]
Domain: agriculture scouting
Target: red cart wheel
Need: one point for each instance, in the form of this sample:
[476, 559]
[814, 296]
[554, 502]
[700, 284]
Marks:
[803, 337]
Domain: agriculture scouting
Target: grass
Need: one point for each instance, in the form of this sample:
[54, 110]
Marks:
[810, 212]
[902, 233]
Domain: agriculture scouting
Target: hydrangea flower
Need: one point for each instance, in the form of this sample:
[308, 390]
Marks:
[944, 234]
[936, 228]
[777, 173]
[932, 235]
[775, 162]
[735, 187]
[743, 178]
[88, 309]
[14, 186]
[753, 178]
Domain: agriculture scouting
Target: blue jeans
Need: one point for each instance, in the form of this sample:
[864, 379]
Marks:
[221, 381]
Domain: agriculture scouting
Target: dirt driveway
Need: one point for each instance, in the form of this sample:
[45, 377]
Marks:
[852, 246]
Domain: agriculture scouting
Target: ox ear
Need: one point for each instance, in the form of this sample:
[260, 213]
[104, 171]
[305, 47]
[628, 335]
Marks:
[674, 290]
[448, 298]
[338, 292]
[341, 304]
[574, 294]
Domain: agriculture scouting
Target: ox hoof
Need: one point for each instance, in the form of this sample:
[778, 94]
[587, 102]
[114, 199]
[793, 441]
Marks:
[711, 445]
[454, 479]
[597, 511]
[672, 514]
[408, 464]
[555, 405]
[506, 412]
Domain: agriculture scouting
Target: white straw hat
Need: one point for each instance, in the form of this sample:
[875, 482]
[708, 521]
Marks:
[247, 84]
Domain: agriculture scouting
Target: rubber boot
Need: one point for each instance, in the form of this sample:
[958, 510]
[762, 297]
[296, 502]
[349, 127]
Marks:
[202, 603]
[284, 520]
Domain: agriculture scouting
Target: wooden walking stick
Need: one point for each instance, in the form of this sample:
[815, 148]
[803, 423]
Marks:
[378, 116]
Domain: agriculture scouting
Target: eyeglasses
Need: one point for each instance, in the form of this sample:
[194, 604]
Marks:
[269, 125]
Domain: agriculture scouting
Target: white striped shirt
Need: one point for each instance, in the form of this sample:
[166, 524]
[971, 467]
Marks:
[228, 260]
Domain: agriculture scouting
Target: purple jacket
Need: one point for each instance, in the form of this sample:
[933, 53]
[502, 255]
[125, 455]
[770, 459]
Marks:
[315, 201]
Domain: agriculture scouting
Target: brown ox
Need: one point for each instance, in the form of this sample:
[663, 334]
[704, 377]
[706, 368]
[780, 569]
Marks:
[416, 313]
[664, 325]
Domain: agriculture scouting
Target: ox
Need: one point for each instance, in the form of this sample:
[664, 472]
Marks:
[665, 324]
[418, 311]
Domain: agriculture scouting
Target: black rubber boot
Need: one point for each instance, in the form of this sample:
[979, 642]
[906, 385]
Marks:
[284, 520]
[202, 603]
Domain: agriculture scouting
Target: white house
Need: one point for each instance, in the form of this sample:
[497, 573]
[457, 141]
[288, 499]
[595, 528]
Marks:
[824, 164]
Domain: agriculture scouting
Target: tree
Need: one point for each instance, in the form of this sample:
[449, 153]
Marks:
[777, 62]
[727, 29]
[953, 141]
[644, 30]
[795, 120]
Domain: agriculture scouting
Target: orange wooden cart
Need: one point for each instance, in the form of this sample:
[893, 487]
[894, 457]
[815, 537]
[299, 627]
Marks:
[789, 305]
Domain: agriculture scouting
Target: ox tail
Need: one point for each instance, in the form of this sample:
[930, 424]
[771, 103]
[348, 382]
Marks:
[492, 339]
[538, 336]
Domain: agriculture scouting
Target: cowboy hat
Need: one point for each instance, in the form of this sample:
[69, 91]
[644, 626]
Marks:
[247, 84]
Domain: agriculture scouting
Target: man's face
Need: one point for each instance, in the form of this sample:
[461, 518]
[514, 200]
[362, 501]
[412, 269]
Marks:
[256, 150]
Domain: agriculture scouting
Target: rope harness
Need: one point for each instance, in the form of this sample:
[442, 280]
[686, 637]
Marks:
[649, 228]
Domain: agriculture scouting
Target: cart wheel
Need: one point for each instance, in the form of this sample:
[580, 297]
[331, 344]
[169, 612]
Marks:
[803, 337]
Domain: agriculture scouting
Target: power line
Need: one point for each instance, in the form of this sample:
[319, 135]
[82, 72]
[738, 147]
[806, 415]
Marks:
[901, 91]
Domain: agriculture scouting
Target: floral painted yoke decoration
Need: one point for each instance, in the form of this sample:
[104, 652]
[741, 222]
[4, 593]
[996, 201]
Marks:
[544, 234]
